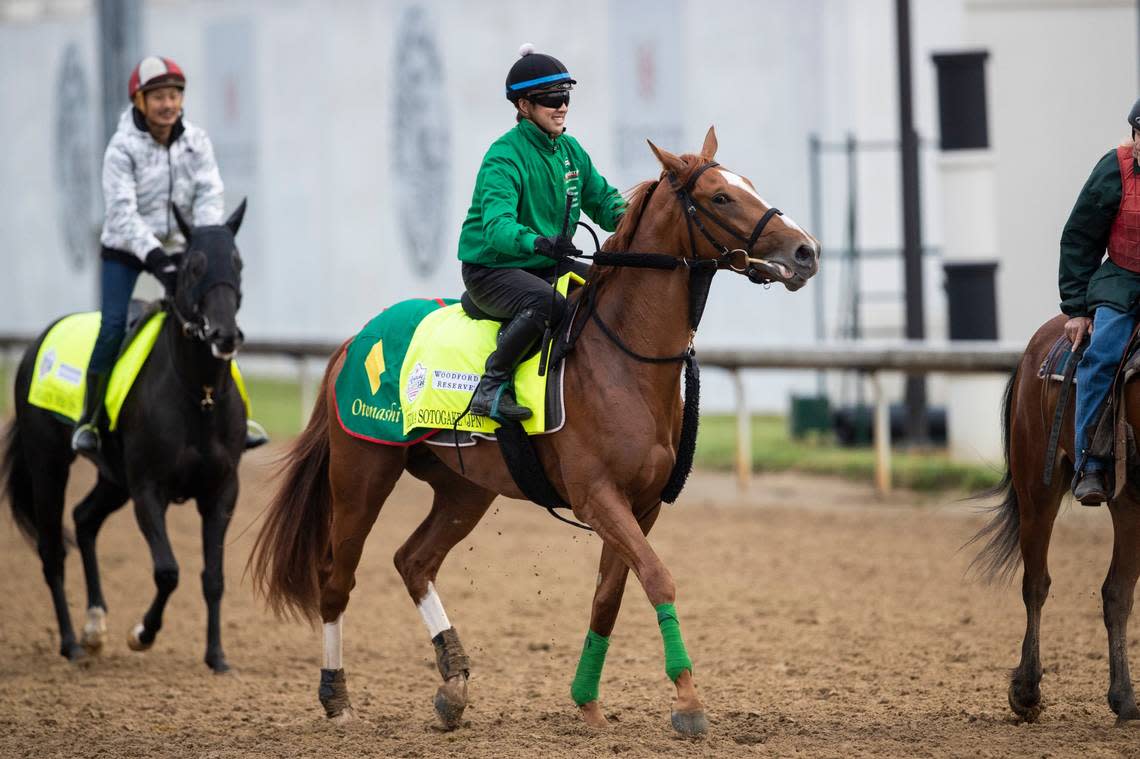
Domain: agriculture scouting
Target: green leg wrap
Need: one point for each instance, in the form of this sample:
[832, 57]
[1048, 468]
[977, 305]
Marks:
[676, 657]
[584, 689]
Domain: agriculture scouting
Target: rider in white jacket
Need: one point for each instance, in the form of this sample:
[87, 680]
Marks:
[154, 159]
[141, 178]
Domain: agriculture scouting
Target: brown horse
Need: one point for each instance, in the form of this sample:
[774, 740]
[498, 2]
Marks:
[611, 468]
[1024, 519]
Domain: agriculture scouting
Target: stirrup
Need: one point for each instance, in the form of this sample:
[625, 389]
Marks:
[79, 438]
[255, 435]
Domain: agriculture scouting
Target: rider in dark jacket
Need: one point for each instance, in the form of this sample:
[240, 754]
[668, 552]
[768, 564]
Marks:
[1100, 295]
[514, 227]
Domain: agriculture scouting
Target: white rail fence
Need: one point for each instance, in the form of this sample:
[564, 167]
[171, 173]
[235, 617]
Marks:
[872, 359]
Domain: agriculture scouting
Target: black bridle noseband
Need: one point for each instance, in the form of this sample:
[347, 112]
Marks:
[727, 256]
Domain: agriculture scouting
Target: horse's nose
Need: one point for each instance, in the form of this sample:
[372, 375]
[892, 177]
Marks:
[804, 255]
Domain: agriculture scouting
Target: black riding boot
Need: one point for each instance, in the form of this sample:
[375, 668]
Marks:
[494, 397]
[85, 439]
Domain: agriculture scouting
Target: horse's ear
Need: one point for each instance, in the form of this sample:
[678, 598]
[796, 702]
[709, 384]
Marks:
[183, 227]
[668, 161]
[234, 222]
[708, 150]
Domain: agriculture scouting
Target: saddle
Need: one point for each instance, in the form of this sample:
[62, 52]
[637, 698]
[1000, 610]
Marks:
[1113, 434]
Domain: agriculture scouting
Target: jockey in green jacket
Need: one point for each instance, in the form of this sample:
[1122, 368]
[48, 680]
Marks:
[512, 236]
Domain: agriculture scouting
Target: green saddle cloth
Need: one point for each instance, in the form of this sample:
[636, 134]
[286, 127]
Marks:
[411, 371]
[58, 378]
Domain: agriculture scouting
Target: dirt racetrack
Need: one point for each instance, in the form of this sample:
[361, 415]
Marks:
[821, 621]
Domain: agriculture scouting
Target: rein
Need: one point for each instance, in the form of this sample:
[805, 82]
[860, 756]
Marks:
[209, 393]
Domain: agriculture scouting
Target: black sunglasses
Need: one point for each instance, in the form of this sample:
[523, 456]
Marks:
[550, 99]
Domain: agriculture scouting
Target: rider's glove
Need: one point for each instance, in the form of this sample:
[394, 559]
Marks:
[556, 247]
[163, 268]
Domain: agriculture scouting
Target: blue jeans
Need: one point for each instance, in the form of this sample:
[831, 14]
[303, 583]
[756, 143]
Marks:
[118, 282]
[1111, 330]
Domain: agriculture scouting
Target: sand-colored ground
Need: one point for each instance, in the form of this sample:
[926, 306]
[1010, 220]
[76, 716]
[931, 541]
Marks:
[821, 620]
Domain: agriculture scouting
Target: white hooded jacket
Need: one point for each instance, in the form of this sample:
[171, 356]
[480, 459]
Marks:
[142, 177]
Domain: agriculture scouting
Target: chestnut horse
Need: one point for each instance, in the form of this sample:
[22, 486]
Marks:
[610, 468]
[1024, 519]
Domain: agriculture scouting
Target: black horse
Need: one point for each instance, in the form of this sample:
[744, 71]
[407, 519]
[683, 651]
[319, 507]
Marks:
[180, 435]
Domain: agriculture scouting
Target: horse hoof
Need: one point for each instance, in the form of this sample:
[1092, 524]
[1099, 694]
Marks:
[450, 701]
[92, 643]
[1027, 712]
[690, 724]
[75, 653]
[94, 631]
[221, 668]
[135, 641]
[346, 715]
[592, 715]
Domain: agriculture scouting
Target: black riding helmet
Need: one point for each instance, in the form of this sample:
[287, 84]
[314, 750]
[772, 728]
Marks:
[1134, 117]
[536, 71]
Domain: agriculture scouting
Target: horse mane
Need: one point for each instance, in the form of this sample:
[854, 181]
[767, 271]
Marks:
[635, 199]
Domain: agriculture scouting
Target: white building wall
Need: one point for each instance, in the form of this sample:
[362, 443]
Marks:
[313, 137]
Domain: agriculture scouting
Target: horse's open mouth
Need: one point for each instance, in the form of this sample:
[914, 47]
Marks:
[773, 271]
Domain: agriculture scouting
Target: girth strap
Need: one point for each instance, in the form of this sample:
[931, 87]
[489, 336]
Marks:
[1059, 414]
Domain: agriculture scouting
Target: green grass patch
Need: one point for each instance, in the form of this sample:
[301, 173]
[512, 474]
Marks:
[277, 406]
[774, 450]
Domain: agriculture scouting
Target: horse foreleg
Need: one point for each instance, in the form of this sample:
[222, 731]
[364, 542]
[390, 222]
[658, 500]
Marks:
[150, 513]
[1038, 509]
[457, 507]
[103, 500]
[1117, 595]
[609, 513]
[216, 512]
[612, 573]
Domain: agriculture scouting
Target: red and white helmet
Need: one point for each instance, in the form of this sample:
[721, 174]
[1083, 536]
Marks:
[153, 72]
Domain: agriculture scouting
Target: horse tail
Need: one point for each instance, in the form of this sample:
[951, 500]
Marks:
[999, 557]
[294, 541]
[17, 476]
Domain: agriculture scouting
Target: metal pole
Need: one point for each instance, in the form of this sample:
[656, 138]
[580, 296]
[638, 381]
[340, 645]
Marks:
[882, 436]
[120, 40]
[854, 271]
[743, 435]
[308, 391]
[817, 229]
[912, 226]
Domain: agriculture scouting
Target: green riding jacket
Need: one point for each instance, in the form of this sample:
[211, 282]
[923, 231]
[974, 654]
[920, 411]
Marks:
[520, 195]
[1088, 280]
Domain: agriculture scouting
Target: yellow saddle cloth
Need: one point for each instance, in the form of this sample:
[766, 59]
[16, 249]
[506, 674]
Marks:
[58, 377]
[444, 363]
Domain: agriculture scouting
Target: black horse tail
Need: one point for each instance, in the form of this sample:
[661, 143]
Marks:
[999, 557]
[294, 541]
[17, 478]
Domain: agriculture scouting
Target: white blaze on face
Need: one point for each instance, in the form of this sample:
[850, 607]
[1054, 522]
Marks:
[334, 633]
[738, 181]
[431, 609]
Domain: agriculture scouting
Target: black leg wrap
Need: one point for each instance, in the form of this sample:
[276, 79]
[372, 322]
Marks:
[449, 655]
[333, 692]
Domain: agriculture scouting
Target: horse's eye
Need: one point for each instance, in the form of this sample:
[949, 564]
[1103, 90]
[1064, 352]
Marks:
[721, 199]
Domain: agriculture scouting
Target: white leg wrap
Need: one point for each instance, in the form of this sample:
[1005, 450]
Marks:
[96, 621]
[333, 635]
[431, 609]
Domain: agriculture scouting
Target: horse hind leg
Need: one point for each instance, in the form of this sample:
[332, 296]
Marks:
[104, 499]
[362, 476]
[457, 507]
[49, 484]
[1117, 597]
[1038, 509]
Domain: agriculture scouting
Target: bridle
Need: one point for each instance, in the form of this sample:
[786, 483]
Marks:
[739, 260]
